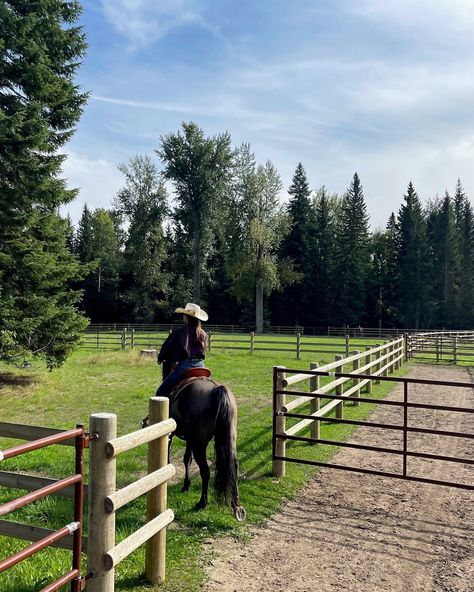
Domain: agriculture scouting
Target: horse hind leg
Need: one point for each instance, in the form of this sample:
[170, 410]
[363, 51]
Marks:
[187, 460]
[200, 458]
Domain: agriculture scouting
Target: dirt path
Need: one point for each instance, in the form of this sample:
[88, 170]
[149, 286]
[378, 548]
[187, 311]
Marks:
[350, 532]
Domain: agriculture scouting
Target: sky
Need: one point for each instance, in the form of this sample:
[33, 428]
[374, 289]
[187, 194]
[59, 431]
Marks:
[381, 87]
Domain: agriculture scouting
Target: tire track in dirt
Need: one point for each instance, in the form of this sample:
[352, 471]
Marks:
[358, 533]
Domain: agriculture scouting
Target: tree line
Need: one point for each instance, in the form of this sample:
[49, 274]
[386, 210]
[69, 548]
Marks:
[208, 226]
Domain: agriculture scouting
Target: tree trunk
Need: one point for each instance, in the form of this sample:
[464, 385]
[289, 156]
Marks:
[197, 262]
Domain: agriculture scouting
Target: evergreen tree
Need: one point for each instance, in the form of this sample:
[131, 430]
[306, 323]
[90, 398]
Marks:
[466, 255]
[83, 237]
[351, 256]
[142, 204]
[40, 52]
[412, 253]
[295, 298]
[199, 168]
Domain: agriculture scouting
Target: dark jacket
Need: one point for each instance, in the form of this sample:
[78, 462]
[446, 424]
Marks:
[174, 348]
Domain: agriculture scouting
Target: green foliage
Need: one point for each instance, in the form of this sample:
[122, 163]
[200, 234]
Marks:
[40, 104]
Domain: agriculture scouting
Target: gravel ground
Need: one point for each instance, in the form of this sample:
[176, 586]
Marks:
[358, 533]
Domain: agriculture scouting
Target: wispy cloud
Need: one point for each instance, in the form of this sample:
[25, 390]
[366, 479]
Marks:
[144, 22]
[153, 105]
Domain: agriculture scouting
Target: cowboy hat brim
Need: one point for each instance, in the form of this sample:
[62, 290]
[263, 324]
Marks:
[198, 314]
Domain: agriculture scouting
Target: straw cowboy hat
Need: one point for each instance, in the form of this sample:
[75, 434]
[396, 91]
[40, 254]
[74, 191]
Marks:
[193, 310]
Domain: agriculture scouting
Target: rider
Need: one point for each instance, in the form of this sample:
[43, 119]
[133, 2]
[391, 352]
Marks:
[185, 346]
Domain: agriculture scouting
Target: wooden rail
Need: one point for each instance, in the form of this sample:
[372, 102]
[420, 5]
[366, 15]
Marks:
[379, 360]
[103, 552]
[452, 347]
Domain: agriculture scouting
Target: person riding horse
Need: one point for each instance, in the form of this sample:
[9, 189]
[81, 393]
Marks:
[185, 347]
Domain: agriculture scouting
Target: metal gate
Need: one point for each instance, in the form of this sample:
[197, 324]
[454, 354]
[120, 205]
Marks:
[282, 410]
[74, 528]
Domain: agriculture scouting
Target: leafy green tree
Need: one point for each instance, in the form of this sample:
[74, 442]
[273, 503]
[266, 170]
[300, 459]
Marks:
[263, 225]
[40, 52]
[351, 256]
[199, 168]
[412, 259]
[142, 203]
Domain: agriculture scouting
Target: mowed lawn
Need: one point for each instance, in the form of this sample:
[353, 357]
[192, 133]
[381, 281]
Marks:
[121, 382]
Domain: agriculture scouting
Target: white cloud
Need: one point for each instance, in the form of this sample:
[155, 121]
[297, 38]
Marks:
[98, 181]
[143, 22]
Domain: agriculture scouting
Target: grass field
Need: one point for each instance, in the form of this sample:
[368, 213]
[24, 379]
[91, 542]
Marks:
[121, 382]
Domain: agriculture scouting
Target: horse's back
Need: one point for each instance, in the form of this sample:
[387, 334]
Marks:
[195, 410]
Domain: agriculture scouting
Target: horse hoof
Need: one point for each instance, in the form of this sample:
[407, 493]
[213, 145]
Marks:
[240, 513]
[200, 506]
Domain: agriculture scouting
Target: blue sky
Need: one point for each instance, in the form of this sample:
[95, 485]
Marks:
[381, 87]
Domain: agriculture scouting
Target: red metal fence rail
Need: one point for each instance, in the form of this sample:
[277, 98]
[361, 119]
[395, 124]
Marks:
[75, 527]
[406, 429]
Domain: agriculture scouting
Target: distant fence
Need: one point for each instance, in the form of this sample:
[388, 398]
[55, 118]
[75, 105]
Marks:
[106, 339]
[376, 361]
[452, 347]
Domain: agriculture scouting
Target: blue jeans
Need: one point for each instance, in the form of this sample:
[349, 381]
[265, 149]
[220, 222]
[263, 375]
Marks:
[174, 377]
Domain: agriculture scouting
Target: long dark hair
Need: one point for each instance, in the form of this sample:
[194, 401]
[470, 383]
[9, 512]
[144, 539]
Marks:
[194, 333]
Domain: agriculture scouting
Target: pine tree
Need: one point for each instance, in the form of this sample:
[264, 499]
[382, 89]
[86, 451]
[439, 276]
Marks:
[40, 52]
[351, 256]
[412, 253]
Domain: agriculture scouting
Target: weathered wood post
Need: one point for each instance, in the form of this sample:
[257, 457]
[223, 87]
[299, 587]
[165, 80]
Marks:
[347, 345]
[102, 479]
[132, 340]
[377, 365]
[157, 499]
[368, 358]
[298, 345]
[386, 361]
[124, 338]
[209, 343]
[355, 368]
[252, 341]
[455, 349]
[339, 393]
[280, 426]
[315, 403]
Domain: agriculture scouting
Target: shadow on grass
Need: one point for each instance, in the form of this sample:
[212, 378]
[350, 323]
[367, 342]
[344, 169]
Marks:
[16, 380]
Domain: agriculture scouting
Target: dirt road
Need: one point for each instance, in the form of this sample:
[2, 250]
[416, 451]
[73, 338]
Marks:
[357, 533]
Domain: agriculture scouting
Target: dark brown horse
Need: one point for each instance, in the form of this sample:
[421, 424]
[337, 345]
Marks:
[202, 411]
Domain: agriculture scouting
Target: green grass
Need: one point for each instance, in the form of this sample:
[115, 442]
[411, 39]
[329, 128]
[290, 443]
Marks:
[121, 382]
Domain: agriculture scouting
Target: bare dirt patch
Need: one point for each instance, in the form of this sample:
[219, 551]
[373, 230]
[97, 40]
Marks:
[358, 533]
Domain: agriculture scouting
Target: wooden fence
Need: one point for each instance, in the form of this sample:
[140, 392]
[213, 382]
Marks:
[298, 344]
[378, 360]
[452, 347]
[103, 554]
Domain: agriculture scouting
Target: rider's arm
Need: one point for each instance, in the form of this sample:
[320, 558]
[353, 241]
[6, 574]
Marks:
[168, 349]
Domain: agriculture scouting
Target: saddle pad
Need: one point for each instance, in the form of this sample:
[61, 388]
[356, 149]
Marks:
[196, 372]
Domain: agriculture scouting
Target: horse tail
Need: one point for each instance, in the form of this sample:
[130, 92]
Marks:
[226, 471]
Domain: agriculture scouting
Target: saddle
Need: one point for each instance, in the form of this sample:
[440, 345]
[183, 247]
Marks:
[191, 375]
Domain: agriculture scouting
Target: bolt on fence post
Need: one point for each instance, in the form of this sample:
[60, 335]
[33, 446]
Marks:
[157, 499]
[280, 426]
[315, 403]
[252, 341]
[102, 479]
[339, 393]
[355, 367]
[368, 357]
[298, 345]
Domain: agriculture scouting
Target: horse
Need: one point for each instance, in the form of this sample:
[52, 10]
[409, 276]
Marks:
[204, 410]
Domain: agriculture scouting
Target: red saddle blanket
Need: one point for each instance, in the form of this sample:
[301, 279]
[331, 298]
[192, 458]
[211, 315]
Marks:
[188, 377]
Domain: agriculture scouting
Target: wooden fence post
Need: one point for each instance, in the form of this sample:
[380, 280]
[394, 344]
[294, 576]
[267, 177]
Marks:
[124, 338]
[252, 341]
[298, 345]
[97, 341]
[347, 345]
[280, 426]
[157, 499]
[315, 403]
[377, 366]
[132, 341]
[437, 348]
[209, 343]
[339, 393]
[355, 367]
[455, 349]
[387, 360]
[102, 476]
[368, 358]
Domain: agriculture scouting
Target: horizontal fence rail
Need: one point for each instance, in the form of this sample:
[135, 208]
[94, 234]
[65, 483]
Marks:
[69, 536]
[281, 434]
[451, 347]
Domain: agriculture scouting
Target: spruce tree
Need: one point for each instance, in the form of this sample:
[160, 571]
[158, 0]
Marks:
[40, 52]
[412, 254]
[351, 256]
